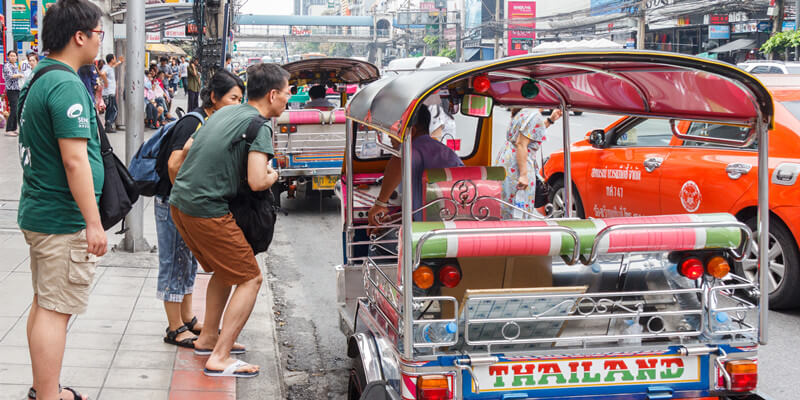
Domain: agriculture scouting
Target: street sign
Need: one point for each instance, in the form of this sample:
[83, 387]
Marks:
[788, 25]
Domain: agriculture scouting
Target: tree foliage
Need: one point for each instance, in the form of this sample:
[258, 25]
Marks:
[781, 41]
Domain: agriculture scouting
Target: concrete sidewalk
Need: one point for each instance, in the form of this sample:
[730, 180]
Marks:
[115, 350]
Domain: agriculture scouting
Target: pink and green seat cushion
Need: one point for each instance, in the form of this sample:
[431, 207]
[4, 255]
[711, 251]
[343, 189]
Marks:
[439, 183]
[562, 244]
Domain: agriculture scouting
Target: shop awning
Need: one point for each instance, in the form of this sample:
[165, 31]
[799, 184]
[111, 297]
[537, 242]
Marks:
[472, 54]
[165, 48]
[738, 44]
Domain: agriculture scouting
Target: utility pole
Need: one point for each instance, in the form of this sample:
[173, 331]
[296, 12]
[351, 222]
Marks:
[134, 126]
[640, 34]
[10, 44]
[497, 29]
[778, 25]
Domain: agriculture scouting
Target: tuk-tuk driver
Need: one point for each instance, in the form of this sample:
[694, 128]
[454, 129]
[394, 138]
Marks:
[427, 153]
[318, 100]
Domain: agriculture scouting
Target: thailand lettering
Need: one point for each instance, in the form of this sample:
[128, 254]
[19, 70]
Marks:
[603, 211]
[550, 374]
[624, 174]
[614, 191]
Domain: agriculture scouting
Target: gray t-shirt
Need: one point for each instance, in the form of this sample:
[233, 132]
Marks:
[111, 77]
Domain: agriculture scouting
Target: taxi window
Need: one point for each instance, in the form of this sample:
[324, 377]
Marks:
[716, 131]
[793, 107]
[645, 133]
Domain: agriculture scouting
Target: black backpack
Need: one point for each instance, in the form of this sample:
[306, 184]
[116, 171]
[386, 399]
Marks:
[254, 212]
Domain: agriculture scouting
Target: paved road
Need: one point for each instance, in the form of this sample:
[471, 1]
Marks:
[308, 245]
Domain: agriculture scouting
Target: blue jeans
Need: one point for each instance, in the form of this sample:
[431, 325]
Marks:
[111, 110]
[177, 267]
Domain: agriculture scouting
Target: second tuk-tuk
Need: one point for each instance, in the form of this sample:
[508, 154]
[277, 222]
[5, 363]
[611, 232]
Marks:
[309, 141]
[452, 301]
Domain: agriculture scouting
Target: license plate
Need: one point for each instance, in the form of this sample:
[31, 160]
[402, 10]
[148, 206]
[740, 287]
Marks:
[323, 182]
[587, 372]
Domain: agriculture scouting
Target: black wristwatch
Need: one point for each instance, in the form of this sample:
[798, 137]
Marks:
[550, 121]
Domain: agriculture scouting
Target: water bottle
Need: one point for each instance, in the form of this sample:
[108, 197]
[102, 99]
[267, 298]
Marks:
[721, 323]
[519, 203]
[686, 301]
[632, 327]
[436, 332]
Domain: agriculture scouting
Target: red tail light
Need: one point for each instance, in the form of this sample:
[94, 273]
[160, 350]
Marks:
[692, 268]
[433, 387]
[292, 128]
[743, 373]
[481, 83]
[449, 276]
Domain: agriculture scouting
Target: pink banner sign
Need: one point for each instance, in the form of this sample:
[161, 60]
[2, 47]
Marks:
[521, 35]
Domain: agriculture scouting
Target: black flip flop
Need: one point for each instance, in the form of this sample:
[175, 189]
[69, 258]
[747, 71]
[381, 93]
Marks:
[172, 336]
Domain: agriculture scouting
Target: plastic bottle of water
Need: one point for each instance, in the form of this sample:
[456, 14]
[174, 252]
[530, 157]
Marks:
[436, 332]
[632, 327]
[721, 322]
[519, 203]
[686, 301]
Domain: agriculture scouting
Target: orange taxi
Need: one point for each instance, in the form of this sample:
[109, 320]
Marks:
[636, 166]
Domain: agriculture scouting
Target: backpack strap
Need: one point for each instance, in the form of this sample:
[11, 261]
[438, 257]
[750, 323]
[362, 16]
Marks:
[36, 76]
[251, 133]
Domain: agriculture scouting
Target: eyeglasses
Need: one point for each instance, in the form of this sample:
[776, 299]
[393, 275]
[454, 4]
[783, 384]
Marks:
[99, 32]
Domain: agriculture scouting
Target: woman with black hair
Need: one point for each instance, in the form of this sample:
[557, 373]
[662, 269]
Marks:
[12, 76]
[177, 265]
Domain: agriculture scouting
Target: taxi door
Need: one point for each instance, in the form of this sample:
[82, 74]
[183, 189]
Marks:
[702, 177]
[624, 178]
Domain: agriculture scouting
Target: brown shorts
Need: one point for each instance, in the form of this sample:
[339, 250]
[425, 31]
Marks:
[61, 270]
[219, 246]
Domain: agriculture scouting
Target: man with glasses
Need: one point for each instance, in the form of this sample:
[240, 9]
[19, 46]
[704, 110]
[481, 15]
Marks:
[62, 171]
[215, 164]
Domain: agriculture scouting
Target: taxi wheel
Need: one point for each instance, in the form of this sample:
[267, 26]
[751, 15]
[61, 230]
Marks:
[557, 199]
[784, 265]
[357, 381]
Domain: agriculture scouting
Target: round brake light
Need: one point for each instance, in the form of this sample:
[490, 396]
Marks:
[692, 268]
[449, 276]
[481, 83]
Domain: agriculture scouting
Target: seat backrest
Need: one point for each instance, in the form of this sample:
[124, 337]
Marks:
[462, 183]
[677, 238]
[300, 117]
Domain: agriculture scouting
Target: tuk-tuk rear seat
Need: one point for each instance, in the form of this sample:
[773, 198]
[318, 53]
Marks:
[470, 182]
[312, 117]
[543, 243]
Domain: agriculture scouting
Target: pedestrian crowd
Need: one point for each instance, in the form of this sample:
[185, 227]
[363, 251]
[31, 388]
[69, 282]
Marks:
[213, 155]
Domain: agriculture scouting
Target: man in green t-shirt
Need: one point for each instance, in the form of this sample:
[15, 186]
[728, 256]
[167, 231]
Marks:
[62, 178]
[207, 181]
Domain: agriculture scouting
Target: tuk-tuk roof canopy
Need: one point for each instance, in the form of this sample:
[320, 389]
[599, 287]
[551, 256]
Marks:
[626, 82]
[336, 70]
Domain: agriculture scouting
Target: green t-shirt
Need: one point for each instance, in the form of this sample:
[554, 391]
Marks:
[58, 107]
[210, 175]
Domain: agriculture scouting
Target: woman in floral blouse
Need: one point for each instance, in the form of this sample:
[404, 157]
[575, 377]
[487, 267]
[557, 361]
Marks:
[12, 76]
[523, 139]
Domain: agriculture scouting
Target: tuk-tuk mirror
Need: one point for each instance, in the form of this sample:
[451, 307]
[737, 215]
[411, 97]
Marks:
[476, 105]
[597, 138]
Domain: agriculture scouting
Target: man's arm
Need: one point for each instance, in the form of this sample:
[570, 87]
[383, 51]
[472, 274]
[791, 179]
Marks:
[176, 159]
[79, 177]
[392, 177]
[260, 175]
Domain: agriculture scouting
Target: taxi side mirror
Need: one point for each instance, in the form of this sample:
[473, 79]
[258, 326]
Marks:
[597, 138]
[476, 105]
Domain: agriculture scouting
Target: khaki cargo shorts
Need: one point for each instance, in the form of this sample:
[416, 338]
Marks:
[61, 270]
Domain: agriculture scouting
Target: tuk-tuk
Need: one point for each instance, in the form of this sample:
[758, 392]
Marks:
[451, 301]
[309, 142]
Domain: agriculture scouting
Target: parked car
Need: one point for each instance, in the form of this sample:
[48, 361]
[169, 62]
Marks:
[770, 67]
[636, 166]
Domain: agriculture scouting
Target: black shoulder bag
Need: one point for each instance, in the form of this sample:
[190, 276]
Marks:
[254, 212]
[119, 188]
